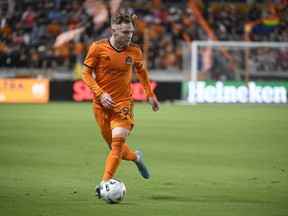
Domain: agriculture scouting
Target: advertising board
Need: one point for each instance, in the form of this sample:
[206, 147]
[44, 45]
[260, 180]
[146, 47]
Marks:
[237, 92]
[24, 90]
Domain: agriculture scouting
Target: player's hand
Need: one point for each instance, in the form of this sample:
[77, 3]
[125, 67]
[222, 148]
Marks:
[107, 101]
[154, 103]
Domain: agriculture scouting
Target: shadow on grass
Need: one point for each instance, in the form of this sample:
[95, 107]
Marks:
[171, 198]
[191, 199]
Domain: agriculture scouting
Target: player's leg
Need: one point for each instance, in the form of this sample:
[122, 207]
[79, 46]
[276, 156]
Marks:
[114, 138]
[128, 154]
[119, 150]
[125, 118]
[115, 156]
[136, 157]
[103, 120]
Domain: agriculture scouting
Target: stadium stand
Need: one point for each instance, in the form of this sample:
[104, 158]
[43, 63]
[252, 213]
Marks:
[29, 30]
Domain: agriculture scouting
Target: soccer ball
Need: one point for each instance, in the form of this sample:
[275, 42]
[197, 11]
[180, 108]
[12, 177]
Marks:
[113, 191]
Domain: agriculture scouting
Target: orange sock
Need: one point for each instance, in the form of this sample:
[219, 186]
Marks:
[128, 154]
[114, 157]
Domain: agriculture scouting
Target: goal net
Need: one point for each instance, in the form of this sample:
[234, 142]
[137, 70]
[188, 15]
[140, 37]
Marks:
[238, 72]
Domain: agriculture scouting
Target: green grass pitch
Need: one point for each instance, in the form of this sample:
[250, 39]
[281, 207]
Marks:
[205, 160]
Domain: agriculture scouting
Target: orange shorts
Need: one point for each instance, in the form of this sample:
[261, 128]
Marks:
[120, 116]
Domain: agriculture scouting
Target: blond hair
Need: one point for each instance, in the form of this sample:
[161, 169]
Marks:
[118, 19]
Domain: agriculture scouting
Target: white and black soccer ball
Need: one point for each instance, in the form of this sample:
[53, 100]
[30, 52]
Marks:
[113, 191]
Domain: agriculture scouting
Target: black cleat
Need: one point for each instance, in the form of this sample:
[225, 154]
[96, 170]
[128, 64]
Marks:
[97, 192]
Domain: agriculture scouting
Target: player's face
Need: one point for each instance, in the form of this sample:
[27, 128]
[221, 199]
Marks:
[123, 33]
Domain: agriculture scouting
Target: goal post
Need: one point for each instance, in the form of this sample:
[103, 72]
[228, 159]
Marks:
[238, 72]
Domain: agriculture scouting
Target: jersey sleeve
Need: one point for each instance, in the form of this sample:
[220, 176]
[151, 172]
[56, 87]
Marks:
[90, 63]
[142, 74]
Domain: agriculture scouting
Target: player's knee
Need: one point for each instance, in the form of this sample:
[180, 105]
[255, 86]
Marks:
[120, 131]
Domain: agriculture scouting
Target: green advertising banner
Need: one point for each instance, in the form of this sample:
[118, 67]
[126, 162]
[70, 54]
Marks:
[235, 92]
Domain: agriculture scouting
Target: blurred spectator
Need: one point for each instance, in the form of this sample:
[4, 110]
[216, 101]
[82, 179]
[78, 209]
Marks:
[29, 29]
[254, 13]
[54, 29]
[28, 18]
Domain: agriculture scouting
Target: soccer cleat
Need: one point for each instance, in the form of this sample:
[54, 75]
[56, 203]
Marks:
[97, 190]
[141, 166]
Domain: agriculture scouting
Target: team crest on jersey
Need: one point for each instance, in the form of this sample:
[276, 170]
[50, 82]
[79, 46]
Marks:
[128, 60]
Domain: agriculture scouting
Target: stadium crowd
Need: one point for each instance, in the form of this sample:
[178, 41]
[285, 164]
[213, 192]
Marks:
[29, 30]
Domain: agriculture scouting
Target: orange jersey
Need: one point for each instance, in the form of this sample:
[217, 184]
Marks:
[113, 70]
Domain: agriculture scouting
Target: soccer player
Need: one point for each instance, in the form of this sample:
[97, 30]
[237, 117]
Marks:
[111, 61]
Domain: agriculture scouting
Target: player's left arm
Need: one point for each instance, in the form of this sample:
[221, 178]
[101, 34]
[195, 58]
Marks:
[144, 79]
[154, 103]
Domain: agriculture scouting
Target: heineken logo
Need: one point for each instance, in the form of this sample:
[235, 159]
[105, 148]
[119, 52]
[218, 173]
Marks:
[220, 93]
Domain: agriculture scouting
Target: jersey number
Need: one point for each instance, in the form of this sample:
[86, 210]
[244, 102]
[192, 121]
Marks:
[126, 113]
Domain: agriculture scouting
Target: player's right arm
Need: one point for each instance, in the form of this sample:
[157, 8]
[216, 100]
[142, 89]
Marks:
[89, 66]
